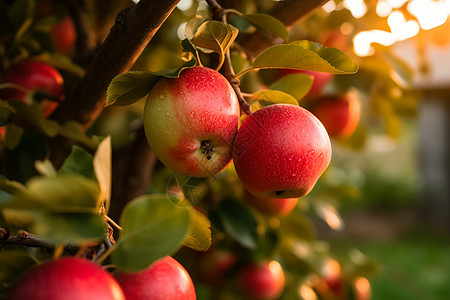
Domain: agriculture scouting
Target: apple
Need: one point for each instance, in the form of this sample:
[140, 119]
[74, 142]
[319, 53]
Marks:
[339, 114]
[214, 265]
[271, 206]
[280, 151]
[68, 278]
[191, 121]
[64, 36]
[264, 280]
[320, 79]
[36, 82]
[165, 279]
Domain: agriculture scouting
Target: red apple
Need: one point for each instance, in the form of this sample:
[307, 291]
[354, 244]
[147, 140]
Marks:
[68, 278]
[280, 151]
[214, 265]
[64, 36]
[262, 280]
[339, 114]
[165, 279]
[319, 82]
[191, 121]
[271, 206]
[36, 81]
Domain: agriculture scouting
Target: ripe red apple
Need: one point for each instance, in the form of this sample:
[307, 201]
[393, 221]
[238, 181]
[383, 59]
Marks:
[191, 121]
[280, 151]
[165, 279]
[64, 36]
[68, 278]
[320, 79]
[271, 206]
[213, 266]
[36, 82]
[339, 114]
[262, 280]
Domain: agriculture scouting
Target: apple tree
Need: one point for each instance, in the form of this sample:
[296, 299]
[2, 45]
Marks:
[133, 132]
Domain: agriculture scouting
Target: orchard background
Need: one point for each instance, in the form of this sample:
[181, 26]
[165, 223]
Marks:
[78, 177]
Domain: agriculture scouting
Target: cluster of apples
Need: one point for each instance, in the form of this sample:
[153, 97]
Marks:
[279, 151]
[77, 278]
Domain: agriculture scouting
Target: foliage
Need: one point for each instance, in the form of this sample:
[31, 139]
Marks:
[71, 202]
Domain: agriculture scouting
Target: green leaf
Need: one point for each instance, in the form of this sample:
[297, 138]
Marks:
[305, 55]
[274, 96]
[33, 113]
[59, 228]
[63, 193]
[153, 227]
[79, 162]
[268, 24]
[130, 87]
[75, 131]
[14, 264]
[102, 169]
[199, 234]
[297, 85]
[239, 222]
[192, 26]
[214, 36]
[13, 136]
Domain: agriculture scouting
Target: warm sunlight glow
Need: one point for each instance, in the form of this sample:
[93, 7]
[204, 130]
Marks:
[275, 267]
[357, 7]
[383, 8]
[400, 28]
[423, 14]
[430, 14]
[307, 293]
[329, 6]
[331, 269]
[330, 215]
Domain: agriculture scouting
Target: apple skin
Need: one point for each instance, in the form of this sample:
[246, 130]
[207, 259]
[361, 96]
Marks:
[64, 36]
[340, 114]
[191, 121]
[68, 278]
[36, 77]
[165, 279]
[319, 82]
[262, 281]
[271, 206]
[280, 151]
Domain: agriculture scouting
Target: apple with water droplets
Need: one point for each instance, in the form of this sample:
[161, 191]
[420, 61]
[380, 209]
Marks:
[68, 278]
[165, 279]
[191, 121]
[280, 151]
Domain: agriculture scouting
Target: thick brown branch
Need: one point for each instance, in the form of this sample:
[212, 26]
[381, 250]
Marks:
[289, 12]
[134, 28]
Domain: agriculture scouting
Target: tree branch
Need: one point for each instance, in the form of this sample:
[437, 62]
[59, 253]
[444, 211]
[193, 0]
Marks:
[290, 12]
[135, 26]
[30, 240]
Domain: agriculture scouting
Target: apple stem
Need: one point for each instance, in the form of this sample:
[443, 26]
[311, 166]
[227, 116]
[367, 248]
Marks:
[219, 14]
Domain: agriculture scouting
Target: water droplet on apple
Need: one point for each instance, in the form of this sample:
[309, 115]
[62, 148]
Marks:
[192, 114]
[167, 114]
[294, 174]
[321, 155]
[158, 109]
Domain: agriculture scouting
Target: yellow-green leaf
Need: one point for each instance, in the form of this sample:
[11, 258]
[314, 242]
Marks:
[199, 234]
[273, 96]
[296, 85]
[305, 55]
[213, 36]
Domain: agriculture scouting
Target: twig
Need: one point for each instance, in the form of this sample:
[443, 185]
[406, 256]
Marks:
[30, 240]
[219, 14]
